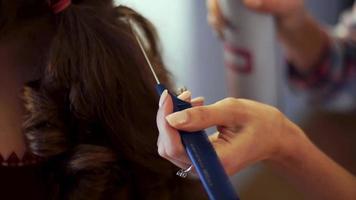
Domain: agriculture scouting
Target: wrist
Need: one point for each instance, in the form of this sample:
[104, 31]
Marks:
[293, 21]
[304, 40]
[292, 145]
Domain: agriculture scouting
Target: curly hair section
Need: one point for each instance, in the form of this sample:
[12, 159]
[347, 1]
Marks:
[85, 113]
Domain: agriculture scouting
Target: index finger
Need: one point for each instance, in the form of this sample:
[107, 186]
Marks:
[228, 112]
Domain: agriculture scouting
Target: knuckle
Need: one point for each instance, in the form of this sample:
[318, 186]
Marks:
[230, 101]
[273, 111]
[238, 109]
[199, 114]
[276, 113]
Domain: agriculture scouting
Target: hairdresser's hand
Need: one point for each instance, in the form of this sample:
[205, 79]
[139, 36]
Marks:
[303, 38]
[169, 139]
[288, 13]
[248, 132]
[251, 132]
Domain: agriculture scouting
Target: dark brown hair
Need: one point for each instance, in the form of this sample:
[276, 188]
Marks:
[91, 109]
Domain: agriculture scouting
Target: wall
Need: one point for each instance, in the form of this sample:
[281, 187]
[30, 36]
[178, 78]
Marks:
[191, 51]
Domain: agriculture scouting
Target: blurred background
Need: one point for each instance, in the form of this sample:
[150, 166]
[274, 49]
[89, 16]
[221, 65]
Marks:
[195, 56]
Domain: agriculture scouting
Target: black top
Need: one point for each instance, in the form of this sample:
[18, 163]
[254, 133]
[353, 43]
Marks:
[21, 179]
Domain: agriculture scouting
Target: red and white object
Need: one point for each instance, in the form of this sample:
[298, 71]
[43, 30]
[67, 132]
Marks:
[252, 57]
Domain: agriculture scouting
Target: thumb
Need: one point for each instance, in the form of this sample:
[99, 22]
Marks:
[166, 132]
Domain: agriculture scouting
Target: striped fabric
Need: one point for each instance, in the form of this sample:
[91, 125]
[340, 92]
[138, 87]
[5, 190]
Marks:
[332, 82]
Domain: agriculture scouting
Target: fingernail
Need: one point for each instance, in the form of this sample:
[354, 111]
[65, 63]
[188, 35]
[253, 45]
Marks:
[177, 118]
[253, 3]
[198, 99]
[185, 95]
[163, 98]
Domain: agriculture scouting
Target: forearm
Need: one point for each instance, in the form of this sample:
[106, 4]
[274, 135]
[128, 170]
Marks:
[314, 173]
[303, 39]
